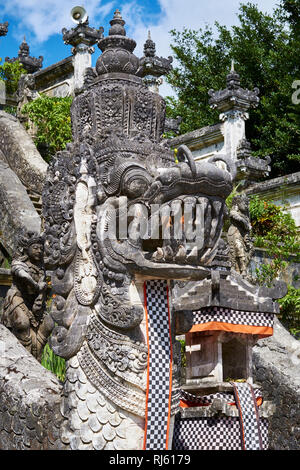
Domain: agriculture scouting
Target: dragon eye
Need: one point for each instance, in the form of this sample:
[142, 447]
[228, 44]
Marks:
[135, 183]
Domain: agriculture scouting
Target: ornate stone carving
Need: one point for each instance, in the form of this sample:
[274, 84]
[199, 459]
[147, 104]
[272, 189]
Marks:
[102, 196]
[3, 28]
[238, 234]
[233, 97]
[82, 34]
[24, 307]
[25, 94]
[31, 64]
[153, 67]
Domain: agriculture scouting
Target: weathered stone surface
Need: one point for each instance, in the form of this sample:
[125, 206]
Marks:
[31, 64]
[238, 234]
[21, 154]
[16, 209]
[29, 399]
[277, 369]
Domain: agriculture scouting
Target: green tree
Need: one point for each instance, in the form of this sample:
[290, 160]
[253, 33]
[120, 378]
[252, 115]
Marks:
[290, 311]
[266, 50]
[273, 229]
[11, 73]
[52, 119]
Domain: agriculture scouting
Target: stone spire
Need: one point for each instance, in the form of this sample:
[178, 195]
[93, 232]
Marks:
[3, 28]
[233, 97]
[31, 64]
[117, 50]
[149, 47]
[153, 67]
[115, 89]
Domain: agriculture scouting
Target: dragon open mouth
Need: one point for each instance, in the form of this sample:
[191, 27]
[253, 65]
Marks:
[189, 229]
[168, 223]
[178, 236]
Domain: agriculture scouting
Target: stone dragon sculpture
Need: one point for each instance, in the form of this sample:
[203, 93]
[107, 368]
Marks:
[96, 202]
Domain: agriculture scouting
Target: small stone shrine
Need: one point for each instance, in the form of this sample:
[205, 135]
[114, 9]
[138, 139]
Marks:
[221, 408]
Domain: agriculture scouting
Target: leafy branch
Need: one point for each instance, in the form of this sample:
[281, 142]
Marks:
[52, 119]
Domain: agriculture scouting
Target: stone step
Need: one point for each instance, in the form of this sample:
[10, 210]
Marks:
[36, 199]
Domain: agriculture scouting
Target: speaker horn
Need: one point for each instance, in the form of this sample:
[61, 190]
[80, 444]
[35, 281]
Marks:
[79, 15]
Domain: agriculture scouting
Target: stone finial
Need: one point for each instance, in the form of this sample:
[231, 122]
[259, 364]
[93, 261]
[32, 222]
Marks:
[31, 64]
[117, 50]
[149, 47]
[117, 25]
[233, 78]
[250, 168]
[244, 149]
[153, 67]
[233, 97]
[3, 28]
[24, 48]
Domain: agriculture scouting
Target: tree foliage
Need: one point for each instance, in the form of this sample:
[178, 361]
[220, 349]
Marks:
[266, 51]
[11, 73]
[52, 119]
[290, 310]
[274, 229]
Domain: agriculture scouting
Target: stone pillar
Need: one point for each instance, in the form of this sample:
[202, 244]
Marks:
[233, 103]
[82, 38]
[82, 59]
[234, 130]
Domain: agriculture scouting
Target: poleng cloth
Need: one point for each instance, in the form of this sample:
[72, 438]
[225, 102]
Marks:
[159, 370]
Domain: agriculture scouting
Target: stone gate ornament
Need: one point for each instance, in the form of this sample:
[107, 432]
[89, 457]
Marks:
[24, 311]
[118, 168]
[238, 235]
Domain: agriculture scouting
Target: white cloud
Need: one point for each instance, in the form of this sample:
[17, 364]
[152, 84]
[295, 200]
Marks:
[43, 18]
[177, 14]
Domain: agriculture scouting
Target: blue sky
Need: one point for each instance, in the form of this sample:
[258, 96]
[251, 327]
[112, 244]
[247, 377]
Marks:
[41, 21]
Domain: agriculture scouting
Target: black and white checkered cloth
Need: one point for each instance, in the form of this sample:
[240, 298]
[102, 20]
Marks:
[249, 417]
[205, 400]
[160, 354]
[215, 433]
[237, 317]
[222, 432]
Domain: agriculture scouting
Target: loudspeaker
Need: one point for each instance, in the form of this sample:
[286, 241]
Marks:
[79, 15]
